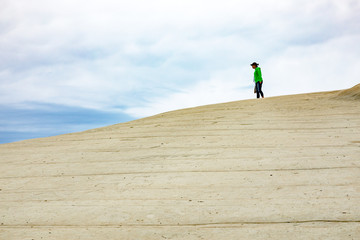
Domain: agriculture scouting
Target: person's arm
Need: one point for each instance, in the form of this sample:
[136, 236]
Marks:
[258, 73]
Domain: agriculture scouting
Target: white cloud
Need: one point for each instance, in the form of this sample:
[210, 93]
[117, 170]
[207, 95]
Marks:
[325, 66]
[154, 56]
[221, 87]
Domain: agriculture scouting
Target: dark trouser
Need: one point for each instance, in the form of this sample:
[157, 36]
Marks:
[258, 89]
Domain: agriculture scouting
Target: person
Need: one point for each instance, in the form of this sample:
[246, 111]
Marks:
[257, 79]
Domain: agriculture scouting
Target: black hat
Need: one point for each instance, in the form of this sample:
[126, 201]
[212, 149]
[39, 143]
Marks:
[254, 63]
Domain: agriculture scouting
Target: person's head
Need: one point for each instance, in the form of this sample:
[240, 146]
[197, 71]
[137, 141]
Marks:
[254, 65]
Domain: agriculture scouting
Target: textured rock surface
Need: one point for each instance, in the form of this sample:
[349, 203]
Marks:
[274, 168]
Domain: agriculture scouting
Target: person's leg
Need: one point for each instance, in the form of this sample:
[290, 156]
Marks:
[258, 89]
[262, 94]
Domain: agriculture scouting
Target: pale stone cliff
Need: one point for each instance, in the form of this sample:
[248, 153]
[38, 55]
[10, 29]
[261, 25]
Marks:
[275, 168]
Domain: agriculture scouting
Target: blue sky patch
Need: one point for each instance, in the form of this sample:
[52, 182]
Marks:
[44, 120]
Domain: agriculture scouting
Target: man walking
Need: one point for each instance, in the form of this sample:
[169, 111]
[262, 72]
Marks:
[257, 79]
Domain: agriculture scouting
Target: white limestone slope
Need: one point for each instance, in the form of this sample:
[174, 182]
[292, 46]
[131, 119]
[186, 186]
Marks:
[273, 168]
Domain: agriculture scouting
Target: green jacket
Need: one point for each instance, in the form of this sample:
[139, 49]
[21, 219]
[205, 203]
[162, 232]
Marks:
[257, 75]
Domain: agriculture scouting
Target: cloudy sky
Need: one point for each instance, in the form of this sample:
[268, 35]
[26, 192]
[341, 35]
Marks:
[72, 65]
